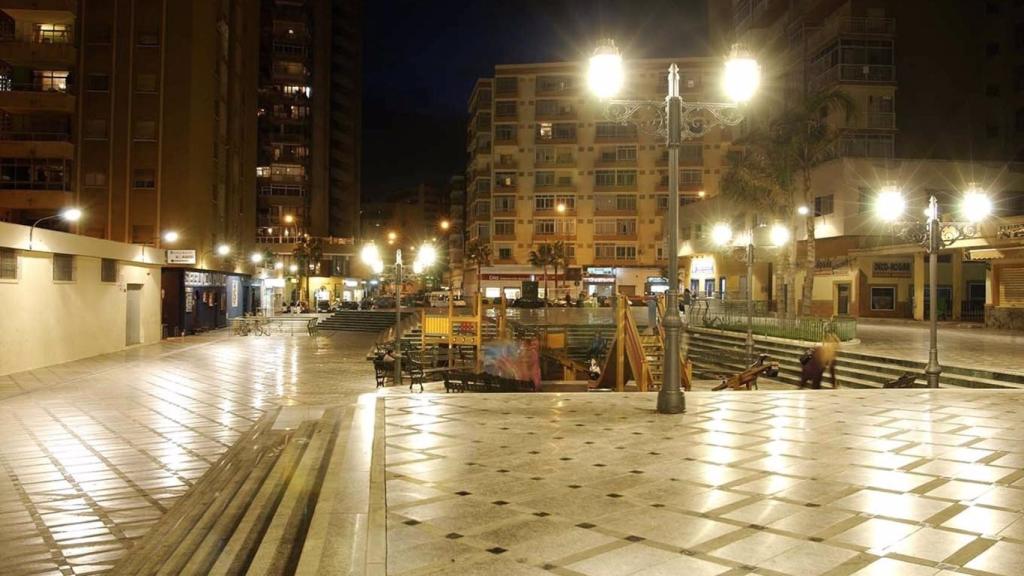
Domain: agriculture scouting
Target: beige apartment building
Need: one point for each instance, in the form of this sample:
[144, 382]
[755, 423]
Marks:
[547, 163]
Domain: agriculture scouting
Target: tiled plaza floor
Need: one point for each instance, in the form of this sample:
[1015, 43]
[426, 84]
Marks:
[801, 483]
[94, 452]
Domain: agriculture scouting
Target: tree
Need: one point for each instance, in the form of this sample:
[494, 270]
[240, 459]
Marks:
[308, 253]
[480, 255]
[811, 141]
[558, 258]
[541, 258]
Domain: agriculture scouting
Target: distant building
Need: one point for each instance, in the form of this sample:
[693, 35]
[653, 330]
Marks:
[546, 164]
[456, 231]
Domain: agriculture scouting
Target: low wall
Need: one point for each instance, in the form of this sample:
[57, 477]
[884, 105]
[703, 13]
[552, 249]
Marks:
[46, 322]
[1004, 318]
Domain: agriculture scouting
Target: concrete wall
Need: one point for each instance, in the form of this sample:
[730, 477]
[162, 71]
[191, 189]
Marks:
[46, 322]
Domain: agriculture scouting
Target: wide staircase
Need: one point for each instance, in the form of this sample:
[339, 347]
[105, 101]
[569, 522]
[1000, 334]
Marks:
[717, 353]
[361, 320]
[291, 497]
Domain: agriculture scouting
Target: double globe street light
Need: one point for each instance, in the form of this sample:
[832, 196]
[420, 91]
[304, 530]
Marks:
[676, 120]
[425, 258]
[934, 234]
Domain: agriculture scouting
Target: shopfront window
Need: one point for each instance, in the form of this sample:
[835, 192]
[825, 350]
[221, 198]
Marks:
[883, 298]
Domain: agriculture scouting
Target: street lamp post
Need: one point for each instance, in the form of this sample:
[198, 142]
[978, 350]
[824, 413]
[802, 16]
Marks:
[676, 120]
[934, 235]
[69, 214]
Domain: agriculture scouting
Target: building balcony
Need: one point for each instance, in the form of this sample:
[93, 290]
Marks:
[554, 188]
[554, 213]
[881, 120]
[506, 91]
[615, 187]
[16, 98]
[615, 162]
[506, 116]
[69, 7]
[563, 162]
[506, 163]
[36, 145]
[684, 186]
[555, 116]
[614, 237]
[504, 237]
[617, 138]
[853, 74]
[849, 26]
[614, 211]
[20, 197]
[503, 211]
[556, 91]
[662, 160]
[505, 188]
[554, 237]
[38, 52]
[565, 139]
[506, 141]
[278, 137]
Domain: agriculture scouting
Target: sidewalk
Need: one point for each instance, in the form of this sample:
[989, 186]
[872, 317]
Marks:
[996, 350]
[94, 452]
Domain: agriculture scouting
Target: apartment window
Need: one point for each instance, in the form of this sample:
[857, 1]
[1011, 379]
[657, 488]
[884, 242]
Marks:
[145, 130]
[554, 83]
[504, 227]
[545, 155]
[144, 178]
[625, 153]
[614, 130]
[823, 205]
[549, 227]
[95, 179]
[554, 108]
[544, 203]
[96, 129]
[505, 108]
[8, 264]
[691, 154]
[145, 83]
[507, 84]
[504, 252]
[691, 178]
[108, 270]
[33, 174]
[505, 132]
[883, 298]
[148, 39]
[543, 179]
[504, 204]
[505, 179]
[52, 33]
[63, 268]
[97, 82]
[545, 130]
[614, 252]
[52, 80]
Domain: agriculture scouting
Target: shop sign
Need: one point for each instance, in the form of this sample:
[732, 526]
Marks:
[702, 267]
[1010, 232]
[832, 264]
[897, 269]
[181, 256]
[273, 282]
[599, 280]
[196, 278]
[594, 271]
[657, 280]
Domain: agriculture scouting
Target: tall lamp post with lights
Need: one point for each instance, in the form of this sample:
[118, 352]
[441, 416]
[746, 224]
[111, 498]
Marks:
[934, 234]
[425, 258]
[676, 120]
[722, 236]
[68, 215]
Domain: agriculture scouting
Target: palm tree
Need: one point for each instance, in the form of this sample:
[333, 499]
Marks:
[558, 258]
[541, 258]
[480, 255]
[307, 254]
[811, 141]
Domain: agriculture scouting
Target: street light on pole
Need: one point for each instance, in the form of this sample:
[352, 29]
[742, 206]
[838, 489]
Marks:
[934, 234]
[676, 120]
[68, 214]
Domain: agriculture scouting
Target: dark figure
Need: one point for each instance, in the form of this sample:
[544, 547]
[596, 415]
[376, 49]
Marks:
[686, 300]
[816, 361]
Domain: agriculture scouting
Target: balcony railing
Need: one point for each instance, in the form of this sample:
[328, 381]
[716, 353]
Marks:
[854, 73]
[867, 146]
[555, 138]
[882, 120]
[554, 187]
[554, 162]
[616, 187]
[614, 162]
[506, 163]
[61, 185]
[36, 136]
[850, 26]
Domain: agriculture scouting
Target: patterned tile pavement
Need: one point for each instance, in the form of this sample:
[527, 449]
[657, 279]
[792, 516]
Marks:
[801, 483]
[94, 452]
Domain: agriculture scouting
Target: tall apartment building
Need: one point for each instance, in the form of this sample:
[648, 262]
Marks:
[309, 121]
[140, 112]
[546, 164]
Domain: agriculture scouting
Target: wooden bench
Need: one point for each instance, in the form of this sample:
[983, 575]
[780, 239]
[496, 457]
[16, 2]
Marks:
[907, 380]
[748, 378]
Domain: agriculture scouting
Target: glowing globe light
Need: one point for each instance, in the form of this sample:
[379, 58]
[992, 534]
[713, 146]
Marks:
[223, 249]
[256, 258]
[426, 255]
[170, 236]
[779, 235]
[721, 234]
[71, 214]
[741, 78]
[605, 75]
[976, 205]
[369, 254]
[890, 204]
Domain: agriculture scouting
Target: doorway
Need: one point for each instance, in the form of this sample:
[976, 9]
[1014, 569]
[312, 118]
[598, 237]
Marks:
[842, 299]
[133, 315]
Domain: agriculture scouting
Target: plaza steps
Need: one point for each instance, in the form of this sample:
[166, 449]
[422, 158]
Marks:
[370, 321]
[267, 507]
[716, 352]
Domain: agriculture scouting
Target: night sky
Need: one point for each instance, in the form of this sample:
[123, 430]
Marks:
[421, 58]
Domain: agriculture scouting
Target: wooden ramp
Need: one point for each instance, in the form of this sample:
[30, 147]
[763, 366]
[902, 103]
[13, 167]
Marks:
[293, 496]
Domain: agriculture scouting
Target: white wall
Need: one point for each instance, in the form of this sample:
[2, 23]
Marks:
[43, 322]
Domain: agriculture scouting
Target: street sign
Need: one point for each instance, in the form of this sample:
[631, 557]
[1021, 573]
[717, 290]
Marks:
[181, 256]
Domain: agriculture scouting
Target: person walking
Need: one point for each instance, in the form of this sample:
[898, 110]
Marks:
[686, 301]
[817, 361]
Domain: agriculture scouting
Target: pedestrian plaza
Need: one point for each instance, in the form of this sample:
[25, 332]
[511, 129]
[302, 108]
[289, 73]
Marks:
[776, 482]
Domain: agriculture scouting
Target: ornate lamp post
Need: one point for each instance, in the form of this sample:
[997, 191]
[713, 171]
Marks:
[934, 234]
[676, 120]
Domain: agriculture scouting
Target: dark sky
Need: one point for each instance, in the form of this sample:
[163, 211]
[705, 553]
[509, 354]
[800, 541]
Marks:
[421, 58]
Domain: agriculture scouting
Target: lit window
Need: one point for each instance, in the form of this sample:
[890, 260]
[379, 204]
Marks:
[52, 80]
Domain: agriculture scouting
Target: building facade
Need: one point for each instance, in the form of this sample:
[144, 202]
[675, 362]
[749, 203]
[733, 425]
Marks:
[456, 231]
[140, 113]
[546, 164]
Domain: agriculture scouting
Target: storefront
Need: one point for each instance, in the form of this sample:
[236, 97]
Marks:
[508, 280]
[199, 300]
[702, 281]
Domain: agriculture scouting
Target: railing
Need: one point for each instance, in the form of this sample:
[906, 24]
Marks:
[731, 316]
[849, 25]
[882, 120]
[861, 73]
[43, 136]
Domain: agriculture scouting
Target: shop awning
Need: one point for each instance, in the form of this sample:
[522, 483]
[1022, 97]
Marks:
[995, 253]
